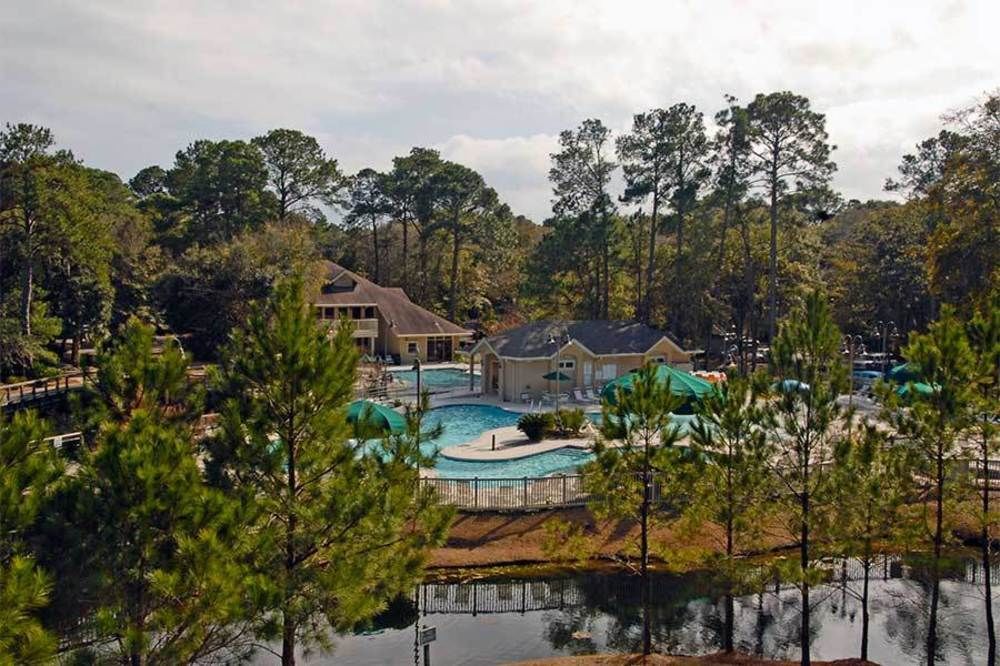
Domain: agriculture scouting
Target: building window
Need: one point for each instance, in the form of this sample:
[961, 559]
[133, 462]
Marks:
[567, 363]
[369, 313]
[658, 360]
[607, 372]
[412, 348]
[355, 313]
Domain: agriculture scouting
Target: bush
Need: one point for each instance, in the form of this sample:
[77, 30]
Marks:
[570, 421]
[536, 425]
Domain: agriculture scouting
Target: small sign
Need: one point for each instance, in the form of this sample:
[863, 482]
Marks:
[428, 635]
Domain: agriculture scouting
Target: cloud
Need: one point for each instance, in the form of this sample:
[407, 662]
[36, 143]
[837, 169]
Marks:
[490, 83]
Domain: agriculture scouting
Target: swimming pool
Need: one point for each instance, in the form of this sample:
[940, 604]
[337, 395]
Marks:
[464, 423]
[559, 461]
[437, 379]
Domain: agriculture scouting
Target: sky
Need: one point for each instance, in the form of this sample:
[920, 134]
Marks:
[490, 84]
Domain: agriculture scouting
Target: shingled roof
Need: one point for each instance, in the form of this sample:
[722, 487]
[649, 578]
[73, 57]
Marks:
[599, 336]
[404, 316]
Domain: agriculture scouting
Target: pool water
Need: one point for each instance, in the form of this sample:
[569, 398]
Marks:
[559, 461]
[436, 380]
[464, 423]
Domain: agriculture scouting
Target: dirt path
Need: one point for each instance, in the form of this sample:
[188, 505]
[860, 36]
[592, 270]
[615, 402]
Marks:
[478, 540]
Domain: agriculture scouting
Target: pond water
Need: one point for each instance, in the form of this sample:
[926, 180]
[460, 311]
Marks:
[496, 620]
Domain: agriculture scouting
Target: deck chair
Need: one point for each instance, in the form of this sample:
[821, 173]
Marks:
[525, 398]
[589, 394]
[578, 395]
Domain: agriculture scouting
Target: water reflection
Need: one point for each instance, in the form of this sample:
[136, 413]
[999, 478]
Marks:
[502, 619]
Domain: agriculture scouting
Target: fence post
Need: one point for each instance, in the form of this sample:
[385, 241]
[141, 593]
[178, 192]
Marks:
[475, 492]
[563, 488]
[524, 493]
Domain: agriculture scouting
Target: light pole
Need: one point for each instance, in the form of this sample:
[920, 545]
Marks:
[416, 368]
[852, 342]
[883, 331]
[558, 342]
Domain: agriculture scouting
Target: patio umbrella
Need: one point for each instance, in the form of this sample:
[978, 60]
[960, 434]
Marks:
[557, 375]
[681, 383]
[789, 385]
[377, 416]
[912, 388]
[905, 372]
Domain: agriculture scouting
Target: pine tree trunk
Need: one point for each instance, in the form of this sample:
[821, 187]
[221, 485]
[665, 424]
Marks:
[772, 268]
[936, 565]
[647, 306]
[288, 642]
[378, 271]
[804, 564]
[456, 245]
[727, 637]
[991, 634]
[27, 277]
[288, 621]
[864, 606]
[406, 252]
[647, 634]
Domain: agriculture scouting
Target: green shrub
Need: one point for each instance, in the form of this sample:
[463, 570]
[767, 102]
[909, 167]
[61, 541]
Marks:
[570, 421]
[536, 425]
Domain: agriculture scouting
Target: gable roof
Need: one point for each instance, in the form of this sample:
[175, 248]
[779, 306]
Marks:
[404, 316]
[602, 338]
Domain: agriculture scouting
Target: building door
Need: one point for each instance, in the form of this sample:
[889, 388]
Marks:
[439, 349]
[588, 373]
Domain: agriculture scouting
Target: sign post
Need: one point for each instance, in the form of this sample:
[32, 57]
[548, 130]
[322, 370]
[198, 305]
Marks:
[427, 636]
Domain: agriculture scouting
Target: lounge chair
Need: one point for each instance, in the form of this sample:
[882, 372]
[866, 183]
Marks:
[591, 395]
[525, 398]
[579, 396]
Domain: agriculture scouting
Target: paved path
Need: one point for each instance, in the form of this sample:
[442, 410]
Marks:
[511, 444]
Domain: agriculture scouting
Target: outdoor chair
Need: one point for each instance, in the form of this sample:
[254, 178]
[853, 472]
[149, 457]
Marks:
[589, 394]
[525, 398]
[580, 397]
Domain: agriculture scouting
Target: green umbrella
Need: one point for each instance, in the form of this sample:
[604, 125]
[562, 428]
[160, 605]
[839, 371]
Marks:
[557, 375]
[917, 388]
[906, 372]
[790, 385]
[681, 383]
[378, 416]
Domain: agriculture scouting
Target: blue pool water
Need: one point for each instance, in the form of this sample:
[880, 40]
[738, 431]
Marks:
[437, 379]
[560, 461]
[464, 423]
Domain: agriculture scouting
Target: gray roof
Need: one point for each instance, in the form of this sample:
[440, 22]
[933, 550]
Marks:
[404, 316]
[599, 336]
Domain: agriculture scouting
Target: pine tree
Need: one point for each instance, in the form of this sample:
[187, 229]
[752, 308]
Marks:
[29, 468]
[984, 338]
[803, 427]
[870, 484]
[934, 424]
[342, 527]
[159, 545]
[731, 484]
[630, 473]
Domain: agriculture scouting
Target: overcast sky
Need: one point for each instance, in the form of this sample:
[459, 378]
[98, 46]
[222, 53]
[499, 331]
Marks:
[126, 84]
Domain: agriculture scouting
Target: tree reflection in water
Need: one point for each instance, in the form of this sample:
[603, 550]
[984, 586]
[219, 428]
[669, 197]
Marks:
[592, 612]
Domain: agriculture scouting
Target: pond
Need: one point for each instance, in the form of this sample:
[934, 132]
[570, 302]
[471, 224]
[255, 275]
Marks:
[495, 620]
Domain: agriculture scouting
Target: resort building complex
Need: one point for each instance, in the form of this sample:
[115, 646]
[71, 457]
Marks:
[386, 322]
[557, 356]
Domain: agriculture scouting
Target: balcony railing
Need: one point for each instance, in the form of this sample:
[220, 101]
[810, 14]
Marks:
[363, 328]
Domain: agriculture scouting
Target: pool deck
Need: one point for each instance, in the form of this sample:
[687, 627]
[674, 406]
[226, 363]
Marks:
[511, 444]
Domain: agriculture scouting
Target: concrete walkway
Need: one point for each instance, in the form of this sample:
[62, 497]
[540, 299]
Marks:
[511, 444]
